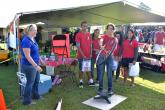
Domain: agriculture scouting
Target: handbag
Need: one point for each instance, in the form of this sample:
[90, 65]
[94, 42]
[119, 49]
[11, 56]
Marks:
[134, 69]
[86, 65]
[114, 65]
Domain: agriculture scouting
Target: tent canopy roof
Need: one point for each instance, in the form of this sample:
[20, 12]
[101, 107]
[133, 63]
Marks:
[115, 12]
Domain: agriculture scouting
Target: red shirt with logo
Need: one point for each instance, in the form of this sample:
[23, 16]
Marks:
[108, 42]
[160, 37]
[85, 41]
[95, 46]
[128, 48]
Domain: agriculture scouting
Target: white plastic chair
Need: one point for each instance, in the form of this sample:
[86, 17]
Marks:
[22, 82]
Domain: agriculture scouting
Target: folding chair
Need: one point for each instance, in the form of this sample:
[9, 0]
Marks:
[22, 82]
[61, 46]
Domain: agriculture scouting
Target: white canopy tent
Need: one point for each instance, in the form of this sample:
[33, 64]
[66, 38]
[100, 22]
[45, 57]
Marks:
[120, 12]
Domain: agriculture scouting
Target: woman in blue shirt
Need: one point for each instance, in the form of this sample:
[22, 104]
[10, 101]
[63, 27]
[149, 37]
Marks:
[30, 65]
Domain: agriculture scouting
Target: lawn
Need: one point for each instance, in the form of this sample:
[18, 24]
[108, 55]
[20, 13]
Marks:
[148, 94]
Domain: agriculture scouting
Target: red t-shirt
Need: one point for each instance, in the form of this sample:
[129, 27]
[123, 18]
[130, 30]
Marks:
[85, 41]
[108, 42]
[95, 46]
[128, 48]
[116, 51]
[141, 35]
[160, 36]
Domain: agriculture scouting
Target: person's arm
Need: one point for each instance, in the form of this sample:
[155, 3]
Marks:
[135, 55]
[81, 52]
[78, 44]
[120, 51]
[30, 60]
[96, 47]
[42, 62]
[115, 44]
[155, 39]
[96, 50]
[91, 51]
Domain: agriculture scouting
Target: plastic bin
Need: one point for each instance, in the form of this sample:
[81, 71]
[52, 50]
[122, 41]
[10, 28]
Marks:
[4, 54]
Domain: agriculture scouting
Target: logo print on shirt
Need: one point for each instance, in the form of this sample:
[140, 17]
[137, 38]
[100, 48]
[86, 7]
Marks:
[88, 37]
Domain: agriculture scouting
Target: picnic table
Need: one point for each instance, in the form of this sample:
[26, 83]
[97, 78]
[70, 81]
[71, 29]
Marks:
[152, 60]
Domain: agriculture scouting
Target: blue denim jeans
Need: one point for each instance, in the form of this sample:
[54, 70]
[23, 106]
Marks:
[31, 88]
[92, 69]
[108, 64]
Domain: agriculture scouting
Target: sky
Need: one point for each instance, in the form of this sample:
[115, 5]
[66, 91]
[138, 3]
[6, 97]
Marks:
[9, 8]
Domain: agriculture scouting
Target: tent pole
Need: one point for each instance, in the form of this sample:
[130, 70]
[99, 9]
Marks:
[17, 19]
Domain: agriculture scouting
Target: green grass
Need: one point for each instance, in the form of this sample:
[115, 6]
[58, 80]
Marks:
[148, 94]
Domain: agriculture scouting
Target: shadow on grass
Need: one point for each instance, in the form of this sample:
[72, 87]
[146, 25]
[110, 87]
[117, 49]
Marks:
[152, 76]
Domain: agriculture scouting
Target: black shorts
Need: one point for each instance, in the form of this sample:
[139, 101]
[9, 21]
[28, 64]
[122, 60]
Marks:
[125, 62]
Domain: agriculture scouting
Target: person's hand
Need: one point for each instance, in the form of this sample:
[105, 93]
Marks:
[84, 57]
[119, 58]
[134, 62]
[102, 47]
[90, 55]
[42, 63]
[97, 51]
[39, 69]
[116, 40]
[116, 58]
